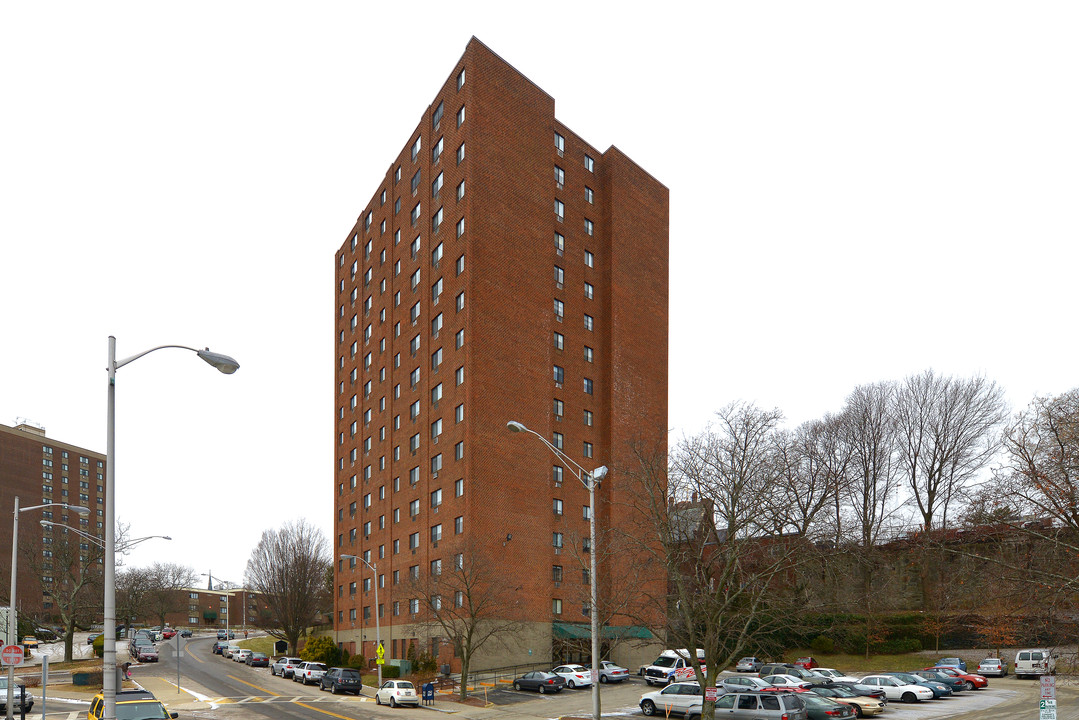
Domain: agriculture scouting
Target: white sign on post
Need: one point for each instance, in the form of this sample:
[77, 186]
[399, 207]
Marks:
[1049, 686]
[12, 655]
[1048, 709]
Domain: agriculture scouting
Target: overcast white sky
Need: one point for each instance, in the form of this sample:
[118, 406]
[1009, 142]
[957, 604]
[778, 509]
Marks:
[859, 191]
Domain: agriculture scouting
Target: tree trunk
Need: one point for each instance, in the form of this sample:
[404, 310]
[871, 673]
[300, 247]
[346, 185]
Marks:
[69, 637]
[464, 674]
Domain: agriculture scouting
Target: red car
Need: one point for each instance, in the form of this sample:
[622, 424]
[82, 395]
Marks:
[807, 662]
[971, 681]
[168, 633]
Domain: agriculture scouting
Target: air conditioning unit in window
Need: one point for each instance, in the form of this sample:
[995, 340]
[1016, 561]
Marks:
[558, 584]
[558, 385]
[558, 551]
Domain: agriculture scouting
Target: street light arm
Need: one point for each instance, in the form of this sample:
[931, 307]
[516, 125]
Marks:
[515, 426]
[77, 508]
[224, 363]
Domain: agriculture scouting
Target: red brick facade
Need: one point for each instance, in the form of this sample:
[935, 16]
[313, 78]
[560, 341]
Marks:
[508, 288]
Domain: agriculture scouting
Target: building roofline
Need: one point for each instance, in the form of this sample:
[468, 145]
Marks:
[59, 443]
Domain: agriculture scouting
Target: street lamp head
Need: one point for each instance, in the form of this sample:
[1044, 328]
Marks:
[515, 426]
[346, 556]
[599, 473]
[78, 508]
[222, 362]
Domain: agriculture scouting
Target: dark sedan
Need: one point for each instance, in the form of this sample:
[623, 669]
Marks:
[257, 660]
[344, 680]
[219, 647]
[939, 689]
[864, 690]
[543, 682]
[953, 682]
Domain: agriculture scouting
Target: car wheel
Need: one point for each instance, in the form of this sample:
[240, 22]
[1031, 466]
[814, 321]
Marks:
[908, 697]
[272, 671]
[969, 685]
[648, 708]
[542, 689]
[603, 678]
[516, 686]
[333, 689]
[393, 701]
[570, 685]
[377, 700]
[858, 711]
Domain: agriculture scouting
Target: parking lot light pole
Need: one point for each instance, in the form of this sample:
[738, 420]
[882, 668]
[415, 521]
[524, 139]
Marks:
[228, 598]
[224, 364]
[12, 625]
[589, 480]
[378, 632]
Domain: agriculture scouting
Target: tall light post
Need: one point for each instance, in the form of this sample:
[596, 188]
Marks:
[13, 627]
[97, 541]
[223, 363]
[378, 631]
[589, 480]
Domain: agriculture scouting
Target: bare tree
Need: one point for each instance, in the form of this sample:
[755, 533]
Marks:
[812, 466]
[71, 575]
[731, 463]
[729, 588]
[133, 586]
[870, 486]
[469, 604]
[288, 570]
[947, 429]
[163, 596]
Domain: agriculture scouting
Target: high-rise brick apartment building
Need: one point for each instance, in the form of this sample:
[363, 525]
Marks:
[504, 269]
[38, 470]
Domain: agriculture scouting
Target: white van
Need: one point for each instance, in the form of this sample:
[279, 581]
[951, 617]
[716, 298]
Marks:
[1035, 662]
[672, 665]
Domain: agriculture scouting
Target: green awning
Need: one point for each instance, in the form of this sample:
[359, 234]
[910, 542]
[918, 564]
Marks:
[580, 631]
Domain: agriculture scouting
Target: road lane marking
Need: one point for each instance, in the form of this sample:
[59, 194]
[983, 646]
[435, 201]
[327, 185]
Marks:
[261, 689]
[324, 712]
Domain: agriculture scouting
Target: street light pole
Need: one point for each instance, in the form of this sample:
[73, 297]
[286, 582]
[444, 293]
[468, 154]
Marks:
[12, 623]
[378, 631]
[589, 480]
[224, 364]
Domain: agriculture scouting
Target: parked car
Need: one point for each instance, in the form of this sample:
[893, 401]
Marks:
[807, 662]
[685, 699]
[130, 704]
[17, 697]
[671, 665]
[397, 692]
[1035, 662]
[168, 633]
[144, 653]
[611, 672]
[761, 705]
[241, 655]
[257, 659]
[219, 647]
[29, 642]
[951, 681]
[749, 664]
[308, 672]
[285, 666]
[222, 635]
[954, 662]
[185, 633]
[970, 682]
[863, 704]
[543, 682]
[834, 675]
[939, 689]
[787, 681]
[575, 675]
[822, 708]
[230, 650]
[791, 669]
[863, 690]
[341, 680]
[741, 683]
[92, 637]
[993, 666]
[896, 689]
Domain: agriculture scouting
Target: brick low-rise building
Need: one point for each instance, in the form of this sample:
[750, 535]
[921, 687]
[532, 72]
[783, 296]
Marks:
[504, 269]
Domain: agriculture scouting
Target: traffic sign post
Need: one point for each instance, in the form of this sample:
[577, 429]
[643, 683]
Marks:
[381, 652]
[12, 655]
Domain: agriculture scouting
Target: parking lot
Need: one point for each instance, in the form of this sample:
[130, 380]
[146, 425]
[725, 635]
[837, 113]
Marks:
[1004, 698]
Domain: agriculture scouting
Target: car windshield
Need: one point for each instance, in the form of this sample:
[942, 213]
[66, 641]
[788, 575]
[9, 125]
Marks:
[148, 710]
[405, 684]
[908, 678]
[664, 662]
[350, 674]
[842, 692]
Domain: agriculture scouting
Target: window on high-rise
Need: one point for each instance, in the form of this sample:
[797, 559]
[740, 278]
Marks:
[588, 195]
[589, 163]
[436, 221]
[588, 322]
[416, 181]
[461, 79]
[587, 354]
[459, 487]
[588, 418]
[589, 259]
[588, 386]
[461, 154]
[460, 301]
[559, 408]
[436, 116]
[459, 338]
[415, 149]
[587, 450]
[559, 244]
[436, 185]
[559, 309]
[556, 474]
[460, 191]
[559, 177]
[559, 276]
[459, 413]
[559, 144]
[459, 376]
[460, 265]
[557, 440]
[559, 374]
[589, 291]
[557, 511]
[559, 341]
[589, 228]
[559, 210]
[461, 116]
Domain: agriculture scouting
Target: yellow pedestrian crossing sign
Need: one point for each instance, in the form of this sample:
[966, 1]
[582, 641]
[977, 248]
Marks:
[381, 652]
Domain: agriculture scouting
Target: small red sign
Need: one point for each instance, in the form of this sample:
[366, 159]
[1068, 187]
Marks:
[12, 655]
[711, 694]
[1049, 686]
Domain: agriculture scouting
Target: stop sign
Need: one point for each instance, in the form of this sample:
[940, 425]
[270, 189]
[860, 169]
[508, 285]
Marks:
[12, 655]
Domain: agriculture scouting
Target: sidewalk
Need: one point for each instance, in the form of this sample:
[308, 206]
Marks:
[176, 698]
